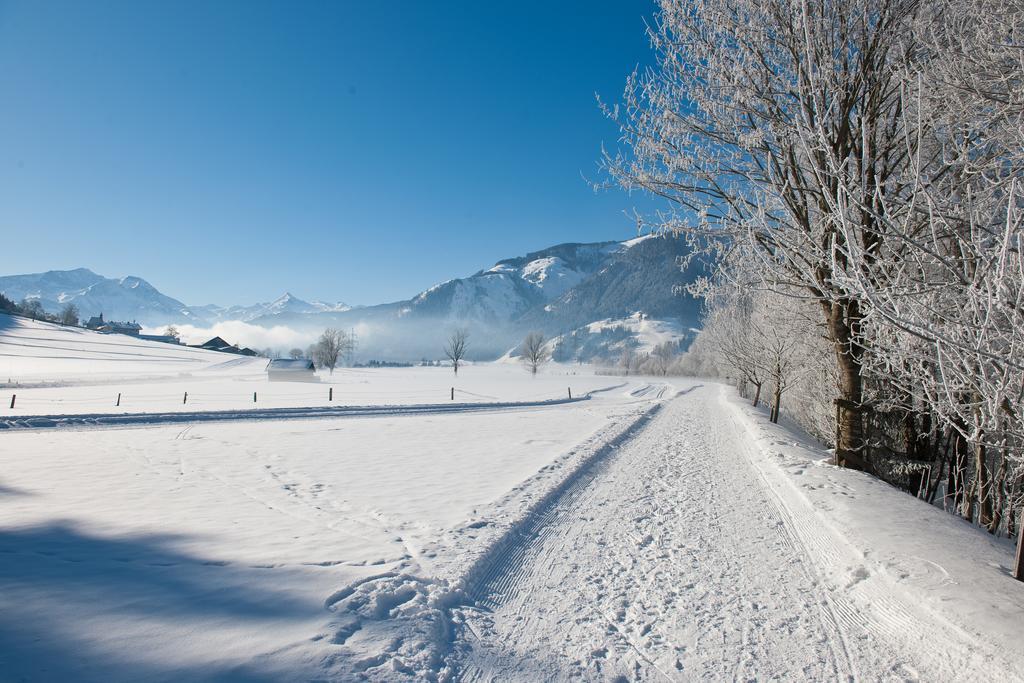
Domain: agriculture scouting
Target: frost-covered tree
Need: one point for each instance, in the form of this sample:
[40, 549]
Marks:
[627, 360]
[455, 347]
[727, 324]
[662, 356]
[32, 308]
[331, 345]
[534, 351]
[949, 320]
[69, 314]
[755, 114]
[296, 353]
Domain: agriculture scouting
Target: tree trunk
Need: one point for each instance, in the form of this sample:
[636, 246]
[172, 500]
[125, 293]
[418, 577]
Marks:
[844, 322]
[933, 485]
[776, 403]
[1011, 510]
[1018, 565]
[998, 495]
[956, 470]
[924, 447]
[757, 393]
[983, 487]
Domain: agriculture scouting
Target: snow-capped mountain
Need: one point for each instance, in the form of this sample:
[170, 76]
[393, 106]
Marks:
[557, 290]
[524, 287]
[132, 298]
[126, 298]
[287, 303]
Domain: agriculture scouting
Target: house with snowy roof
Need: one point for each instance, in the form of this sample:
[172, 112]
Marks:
[289, 370]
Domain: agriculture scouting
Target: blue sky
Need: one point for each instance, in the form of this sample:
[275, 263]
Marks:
[228, 151]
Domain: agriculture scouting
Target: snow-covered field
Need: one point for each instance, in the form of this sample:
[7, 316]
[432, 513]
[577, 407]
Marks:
[657, 530]
[54, 370]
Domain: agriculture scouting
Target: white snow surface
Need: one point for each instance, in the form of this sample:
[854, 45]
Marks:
[552, 276]
[40, 353]
[492, 296]
[658, 530]
[637, 240]
[648, 332]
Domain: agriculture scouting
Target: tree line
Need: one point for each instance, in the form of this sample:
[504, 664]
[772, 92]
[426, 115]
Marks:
[854, 169]
[33, 308]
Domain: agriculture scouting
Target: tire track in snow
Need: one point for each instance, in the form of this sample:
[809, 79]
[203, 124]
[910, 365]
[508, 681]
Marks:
[411, 638]
[497, 575]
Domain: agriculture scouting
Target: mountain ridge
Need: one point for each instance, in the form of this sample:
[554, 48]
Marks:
[554, 290]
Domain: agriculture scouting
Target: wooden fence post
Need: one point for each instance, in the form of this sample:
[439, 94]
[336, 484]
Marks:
[185, 399]
[254, 397]
[570, 393]
[453, 393]
[118, 399]
[13, 396]
[330, 393]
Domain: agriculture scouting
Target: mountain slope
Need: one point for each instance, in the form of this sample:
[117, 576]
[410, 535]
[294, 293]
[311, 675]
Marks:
[126, 298]
[555, 290]
[639, 275]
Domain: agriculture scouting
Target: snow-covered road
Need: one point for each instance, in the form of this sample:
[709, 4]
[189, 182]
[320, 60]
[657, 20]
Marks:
[684, 556]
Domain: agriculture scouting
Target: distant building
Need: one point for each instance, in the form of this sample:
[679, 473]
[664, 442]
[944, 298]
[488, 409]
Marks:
[166, 339]
[288, 370]
[219, 344]
[112, 326]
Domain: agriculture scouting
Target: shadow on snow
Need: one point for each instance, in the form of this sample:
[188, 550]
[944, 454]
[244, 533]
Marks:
[56, 579]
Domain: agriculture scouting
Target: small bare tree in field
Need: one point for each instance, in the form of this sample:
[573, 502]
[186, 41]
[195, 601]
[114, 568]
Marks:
[534, 351]
[455, 348]
[69, 314]
[662, 357]
[296, 353]
[333, 343]
[172, 331]
[627, 361]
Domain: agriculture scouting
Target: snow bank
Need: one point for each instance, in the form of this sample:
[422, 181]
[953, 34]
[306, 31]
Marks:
[896, 566]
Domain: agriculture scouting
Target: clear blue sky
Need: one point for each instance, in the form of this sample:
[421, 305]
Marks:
[353, 151]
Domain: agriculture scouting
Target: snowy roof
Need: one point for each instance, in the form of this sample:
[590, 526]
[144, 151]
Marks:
[290, 364]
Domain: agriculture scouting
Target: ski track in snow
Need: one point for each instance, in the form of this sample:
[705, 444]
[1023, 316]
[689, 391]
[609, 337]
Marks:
[680, 556]
[403, 624]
